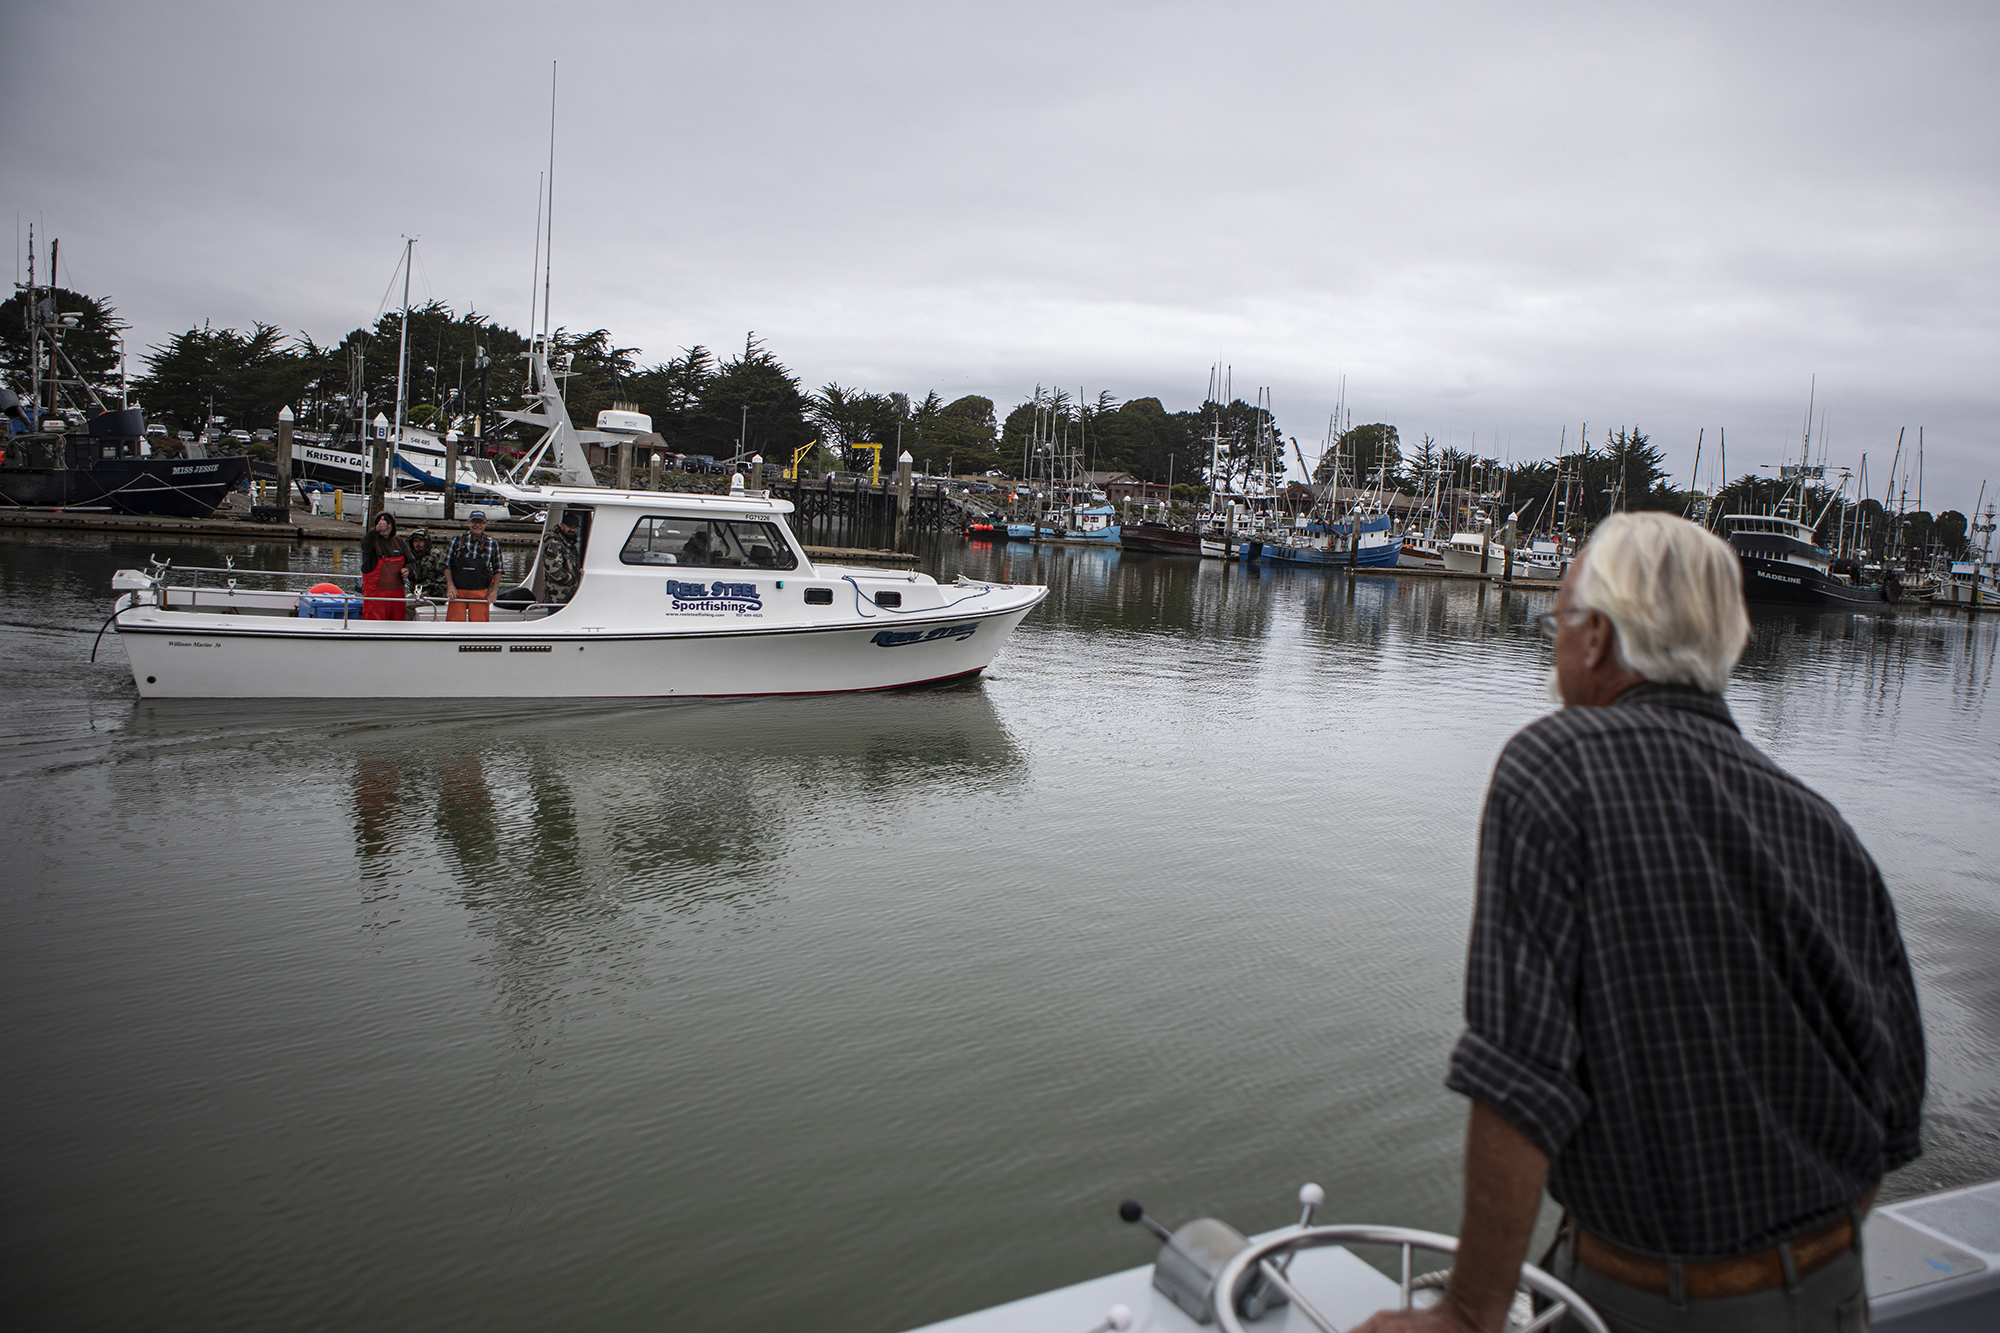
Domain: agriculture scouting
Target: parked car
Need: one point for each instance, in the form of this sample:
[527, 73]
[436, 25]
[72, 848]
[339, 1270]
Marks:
[240, 435]
[996, 472]
[266, 434]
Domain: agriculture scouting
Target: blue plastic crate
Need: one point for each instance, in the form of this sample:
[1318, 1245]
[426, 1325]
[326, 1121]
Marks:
[328, 606]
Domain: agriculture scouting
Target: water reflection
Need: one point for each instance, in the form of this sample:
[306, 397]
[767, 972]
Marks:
[560, 997]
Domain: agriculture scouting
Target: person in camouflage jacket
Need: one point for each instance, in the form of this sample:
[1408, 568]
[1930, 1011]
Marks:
[565, 562]
[425, 573]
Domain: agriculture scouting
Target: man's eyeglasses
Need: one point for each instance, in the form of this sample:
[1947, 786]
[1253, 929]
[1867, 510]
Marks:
[1550, 621]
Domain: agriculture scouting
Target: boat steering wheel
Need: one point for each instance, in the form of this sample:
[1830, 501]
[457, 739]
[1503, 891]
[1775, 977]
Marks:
[1270, 1258]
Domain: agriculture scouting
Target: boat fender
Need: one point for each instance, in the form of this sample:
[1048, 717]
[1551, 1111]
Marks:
[326, 589]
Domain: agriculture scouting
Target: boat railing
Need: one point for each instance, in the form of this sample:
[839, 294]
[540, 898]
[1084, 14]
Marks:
[163, 585]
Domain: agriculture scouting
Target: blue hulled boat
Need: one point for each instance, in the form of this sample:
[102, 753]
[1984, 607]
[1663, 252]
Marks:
[1320, 543]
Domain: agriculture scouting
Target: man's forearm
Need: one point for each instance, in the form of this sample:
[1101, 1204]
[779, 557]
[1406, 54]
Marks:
[1504, 1175]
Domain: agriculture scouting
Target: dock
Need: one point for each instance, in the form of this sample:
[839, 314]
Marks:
[233, 523]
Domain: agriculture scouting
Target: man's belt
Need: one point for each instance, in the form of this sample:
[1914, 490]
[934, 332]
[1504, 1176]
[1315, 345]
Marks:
[1717, 1278]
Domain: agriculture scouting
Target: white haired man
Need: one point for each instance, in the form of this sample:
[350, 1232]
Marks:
[1688, 1009]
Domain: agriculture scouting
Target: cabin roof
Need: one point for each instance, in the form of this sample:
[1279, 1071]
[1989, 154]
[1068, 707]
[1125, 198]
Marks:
[604, 497]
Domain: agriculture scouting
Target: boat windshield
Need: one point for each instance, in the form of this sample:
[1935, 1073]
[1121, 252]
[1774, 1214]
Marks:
[707, 542]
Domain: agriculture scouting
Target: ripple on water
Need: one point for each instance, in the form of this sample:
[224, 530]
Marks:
[532, 1016]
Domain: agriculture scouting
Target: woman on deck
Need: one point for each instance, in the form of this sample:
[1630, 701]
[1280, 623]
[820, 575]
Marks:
[384, 558]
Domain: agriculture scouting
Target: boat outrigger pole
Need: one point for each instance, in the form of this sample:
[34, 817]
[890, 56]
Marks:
[562, 444]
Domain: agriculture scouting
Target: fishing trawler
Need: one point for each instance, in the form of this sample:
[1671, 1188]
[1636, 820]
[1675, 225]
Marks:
[67, 448]
[1360, 540]
[100, 463]
[1973, 582]
[1784, 563]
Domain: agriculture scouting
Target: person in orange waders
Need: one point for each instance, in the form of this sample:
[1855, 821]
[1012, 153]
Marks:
[472, 572]
[383, 560]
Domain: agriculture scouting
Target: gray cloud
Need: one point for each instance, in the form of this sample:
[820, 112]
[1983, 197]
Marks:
[1495, 220]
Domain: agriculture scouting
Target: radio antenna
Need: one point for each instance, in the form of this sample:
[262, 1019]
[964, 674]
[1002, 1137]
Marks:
[548, 254]
[535, 268]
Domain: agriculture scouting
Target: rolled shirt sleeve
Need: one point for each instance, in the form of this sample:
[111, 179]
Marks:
[1521, 1046]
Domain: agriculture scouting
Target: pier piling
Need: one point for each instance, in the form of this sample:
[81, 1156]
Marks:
[284, 462]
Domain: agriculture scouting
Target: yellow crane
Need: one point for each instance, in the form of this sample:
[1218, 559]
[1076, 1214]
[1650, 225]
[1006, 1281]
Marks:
[798, 458]
[874, 468]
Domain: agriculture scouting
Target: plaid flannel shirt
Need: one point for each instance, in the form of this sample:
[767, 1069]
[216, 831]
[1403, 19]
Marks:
[1685, 982]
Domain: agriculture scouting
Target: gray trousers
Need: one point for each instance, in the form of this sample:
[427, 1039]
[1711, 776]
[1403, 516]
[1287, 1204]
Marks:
[1831, 1299]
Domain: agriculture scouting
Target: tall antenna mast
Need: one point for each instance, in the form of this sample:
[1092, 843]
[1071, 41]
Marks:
[548, 255]
[535, 269]
[1805, 444]
[403, 343]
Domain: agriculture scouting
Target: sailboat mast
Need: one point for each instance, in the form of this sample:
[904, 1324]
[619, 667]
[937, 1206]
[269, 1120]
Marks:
[32, 315]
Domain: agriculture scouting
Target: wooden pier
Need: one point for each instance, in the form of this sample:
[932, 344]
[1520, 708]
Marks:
[233, 523]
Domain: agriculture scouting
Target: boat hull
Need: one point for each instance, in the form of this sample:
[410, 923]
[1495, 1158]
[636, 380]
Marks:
[142, 487]
[1160, 539]
[1376, 555]
[177, 655]
[1786, 583]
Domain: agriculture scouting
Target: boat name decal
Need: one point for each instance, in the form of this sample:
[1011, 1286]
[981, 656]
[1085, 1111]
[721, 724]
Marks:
[203, 467]
[717, 598]
[183, 643]
[1775, 578]
[894, 638]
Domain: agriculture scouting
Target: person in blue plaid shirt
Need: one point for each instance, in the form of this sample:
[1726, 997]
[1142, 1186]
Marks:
[472, 571]
[1688, 1009]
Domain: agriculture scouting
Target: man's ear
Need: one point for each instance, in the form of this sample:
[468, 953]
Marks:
[1601, 631]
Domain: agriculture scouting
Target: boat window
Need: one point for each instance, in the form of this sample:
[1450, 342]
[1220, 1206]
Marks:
[707, 543]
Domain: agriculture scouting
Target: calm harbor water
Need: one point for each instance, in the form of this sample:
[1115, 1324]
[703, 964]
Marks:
[842, 1013]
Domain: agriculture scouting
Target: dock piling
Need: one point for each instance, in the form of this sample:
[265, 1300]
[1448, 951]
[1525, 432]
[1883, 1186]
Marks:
[284, 462]
[903, 462]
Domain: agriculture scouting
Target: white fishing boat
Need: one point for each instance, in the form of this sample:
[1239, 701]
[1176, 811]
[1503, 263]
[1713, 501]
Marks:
[1932, 1265]
[1968, 583]
[1422, 552]
[679, 596]
[1462, 553]
[1974, 581]
[1537, 560]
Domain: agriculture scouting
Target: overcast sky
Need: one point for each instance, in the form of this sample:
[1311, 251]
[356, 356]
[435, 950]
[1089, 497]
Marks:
[1497, 222]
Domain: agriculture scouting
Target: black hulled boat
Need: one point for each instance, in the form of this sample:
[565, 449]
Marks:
[1782, 563]
[104, 466]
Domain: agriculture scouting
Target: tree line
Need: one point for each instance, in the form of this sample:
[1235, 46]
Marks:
[464, 368]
